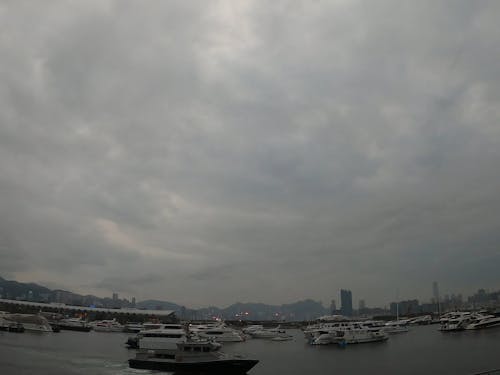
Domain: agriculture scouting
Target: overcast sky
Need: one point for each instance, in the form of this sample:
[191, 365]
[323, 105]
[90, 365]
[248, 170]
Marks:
[208, 152]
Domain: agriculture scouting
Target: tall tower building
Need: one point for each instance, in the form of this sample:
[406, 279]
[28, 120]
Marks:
[435, 291]
[346, 302]
[362, 304]
[333, 307]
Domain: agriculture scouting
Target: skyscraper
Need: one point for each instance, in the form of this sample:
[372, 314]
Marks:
[333, 307]
[346, 302]
[435, 291]
[362, 304]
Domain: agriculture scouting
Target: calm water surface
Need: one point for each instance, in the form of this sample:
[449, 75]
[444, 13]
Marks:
[423, 350]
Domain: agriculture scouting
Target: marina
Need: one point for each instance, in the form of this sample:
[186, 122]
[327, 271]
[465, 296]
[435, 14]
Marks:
[424, 349]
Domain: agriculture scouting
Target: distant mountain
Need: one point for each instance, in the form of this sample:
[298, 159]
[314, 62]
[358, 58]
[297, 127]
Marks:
[304, 310]
[152, 304]
[301, 310]
[13, 289]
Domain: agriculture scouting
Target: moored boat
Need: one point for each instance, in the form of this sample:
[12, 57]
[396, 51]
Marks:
[482, 321]
[355, 333]
[106, 326]
[30, 322]
[200, 357]
[269, 333]
[9, 326]
[221, 334]
[455, 321]
[74, 324]
[165, 339]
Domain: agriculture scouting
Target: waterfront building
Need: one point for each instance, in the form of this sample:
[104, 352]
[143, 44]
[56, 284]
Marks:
[409, 307]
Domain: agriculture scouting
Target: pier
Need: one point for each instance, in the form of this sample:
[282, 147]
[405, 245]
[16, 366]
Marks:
[94, 313]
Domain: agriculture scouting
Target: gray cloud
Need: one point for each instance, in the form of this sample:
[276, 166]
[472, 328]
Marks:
[250, 151]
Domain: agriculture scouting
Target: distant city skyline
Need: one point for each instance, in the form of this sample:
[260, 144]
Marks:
[355, 299]
[299, 310]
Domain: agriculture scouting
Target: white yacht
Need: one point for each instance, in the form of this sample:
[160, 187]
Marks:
[354, 333]
[74, 324]
[200, 327]
[251, 328]
[106, 326]
[133, 341]
[193, 357]
[221, 334]
[421, 320]
[165, 338]
[481, 321]
[133, 327]
[455, 321]
[313, 332]
[270, 333]
[359, 335]
[30, 322]
[396, 326]
[216, 331]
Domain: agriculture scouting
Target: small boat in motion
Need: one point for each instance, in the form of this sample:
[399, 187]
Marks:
[198, 357]
[106, 326]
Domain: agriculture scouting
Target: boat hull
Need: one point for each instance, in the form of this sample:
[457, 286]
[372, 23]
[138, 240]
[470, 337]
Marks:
[75, 328]
[230, 366]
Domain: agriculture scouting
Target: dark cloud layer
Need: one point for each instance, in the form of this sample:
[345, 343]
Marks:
[250, 150]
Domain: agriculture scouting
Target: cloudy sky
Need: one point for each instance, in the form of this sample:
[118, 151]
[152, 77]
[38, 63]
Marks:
[213, 152]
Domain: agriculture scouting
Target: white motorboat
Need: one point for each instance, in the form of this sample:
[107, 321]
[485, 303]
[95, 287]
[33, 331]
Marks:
[133, 327]
[74, 324]
[456, 321]
[269, 333]
[198, 327]
[481, 321]
[10, 326]
[396, 326]
[313, 332]
[251, 328]
[193, 357]
[359, 336]
[221, 334]
[353, 333]
[106, 326]
[133, 341]
[421, 320]
[162, 339]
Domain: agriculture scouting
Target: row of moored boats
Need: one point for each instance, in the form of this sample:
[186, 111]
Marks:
[176, 347]
[466, 320]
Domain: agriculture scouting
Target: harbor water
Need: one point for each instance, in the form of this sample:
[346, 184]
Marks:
[423, 350]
